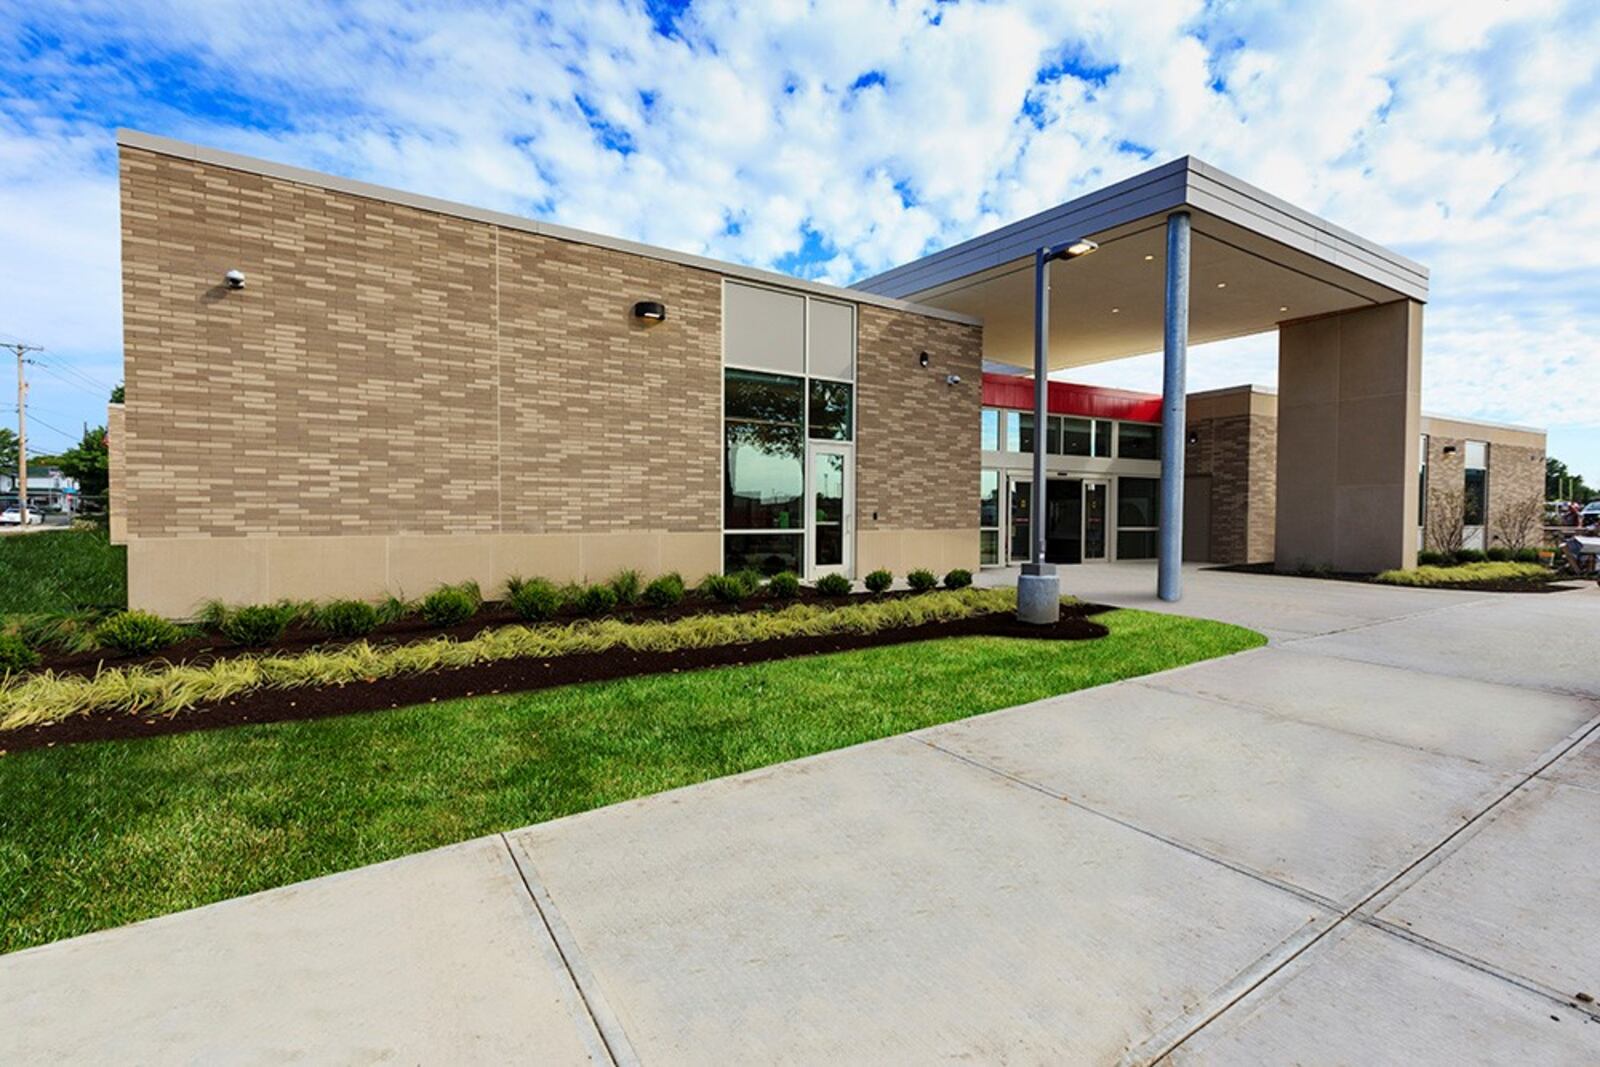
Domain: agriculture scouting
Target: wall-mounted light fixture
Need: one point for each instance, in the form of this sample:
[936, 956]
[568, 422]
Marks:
[922, 359]
[952, 379]
[1194, 437]
[650, 311]
[234, 278]
[1449, 450]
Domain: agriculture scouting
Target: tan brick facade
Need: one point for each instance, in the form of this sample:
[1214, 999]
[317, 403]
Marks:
[1515, 475]
[399, 396]
[1232, 452]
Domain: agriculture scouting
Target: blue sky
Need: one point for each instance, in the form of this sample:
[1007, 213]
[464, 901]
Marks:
[834, 140]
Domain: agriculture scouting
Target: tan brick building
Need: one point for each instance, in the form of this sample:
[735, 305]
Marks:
[302, 435]
[336, 389]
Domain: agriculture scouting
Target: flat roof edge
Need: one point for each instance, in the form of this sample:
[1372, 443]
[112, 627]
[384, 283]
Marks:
[1200, 187]
[167, 146]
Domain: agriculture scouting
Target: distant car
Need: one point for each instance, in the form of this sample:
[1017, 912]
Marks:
[12, 515]
[1590, 513]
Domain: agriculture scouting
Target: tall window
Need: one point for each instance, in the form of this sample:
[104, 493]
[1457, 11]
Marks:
[989, 517]
[989, 434]
[1422, 487]
[1475, 507]
[764, 472]
[1138, 517]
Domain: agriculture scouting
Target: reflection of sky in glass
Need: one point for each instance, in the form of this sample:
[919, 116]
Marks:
[759, 475]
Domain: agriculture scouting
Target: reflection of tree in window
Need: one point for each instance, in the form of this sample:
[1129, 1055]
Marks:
[830, 410]
[765, 476]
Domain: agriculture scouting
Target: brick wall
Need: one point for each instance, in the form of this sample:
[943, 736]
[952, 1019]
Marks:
[400, 396]
[1238, 452]
[1516, 487]
[917, 455]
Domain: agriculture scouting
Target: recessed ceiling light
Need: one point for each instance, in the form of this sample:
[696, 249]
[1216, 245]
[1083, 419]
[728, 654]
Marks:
[1284, 308]
[1115, 310]
[1222, 285]
[1148, 258]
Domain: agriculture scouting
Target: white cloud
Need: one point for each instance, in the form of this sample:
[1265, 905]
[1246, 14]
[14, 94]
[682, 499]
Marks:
[1466, 135]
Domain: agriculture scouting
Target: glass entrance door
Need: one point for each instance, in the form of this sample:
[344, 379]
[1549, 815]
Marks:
[1094, 520]
[830, 509]
[1064, 518]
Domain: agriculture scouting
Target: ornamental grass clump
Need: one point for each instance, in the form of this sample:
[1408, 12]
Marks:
[137, 633]
[452, 604]
[878, 581]
[347, 618]
[534, 599]
[15, 655]
[834, 585]
[665, 591]
[785, 585]
[625, 585]
[921, 580]
[1467, 573]
[167, 689]
[257, 624]
[595, 599]
[722, 587]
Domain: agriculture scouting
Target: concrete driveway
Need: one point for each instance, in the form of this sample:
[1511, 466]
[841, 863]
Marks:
[1371, 842]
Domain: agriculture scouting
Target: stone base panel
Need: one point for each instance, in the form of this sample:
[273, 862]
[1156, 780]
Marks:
[908, 550]
[174, 576]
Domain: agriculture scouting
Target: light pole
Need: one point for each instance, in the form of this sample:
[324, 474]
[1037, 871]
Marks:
[1039, 587]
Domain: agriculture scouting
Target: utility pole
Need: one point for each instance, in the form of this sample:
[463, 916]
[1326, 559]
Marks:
[22, 430]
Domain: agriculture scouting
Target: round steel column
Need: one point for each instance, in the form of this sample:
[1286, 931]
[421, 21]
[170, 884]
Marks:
[1174, 390]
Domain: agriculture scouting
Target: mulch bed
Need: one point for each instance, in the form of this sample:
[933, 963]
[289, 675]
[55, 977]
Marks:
[208, 648]
[520, 676]
[1498, 585]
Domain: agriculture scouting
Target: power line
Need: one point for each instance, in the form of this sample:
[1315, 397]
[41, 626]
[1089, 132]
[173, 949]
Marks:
[74, 372]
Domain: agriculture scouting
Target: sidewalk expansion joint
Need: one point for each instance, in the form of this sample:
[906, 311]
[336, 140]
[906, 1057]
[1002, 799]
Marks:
[617, 1047]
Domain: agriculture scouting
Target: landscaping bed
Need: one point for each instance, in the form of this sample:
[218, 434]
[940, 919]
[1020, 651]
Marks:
[301, 636]
[523, 674]
[1470, 576]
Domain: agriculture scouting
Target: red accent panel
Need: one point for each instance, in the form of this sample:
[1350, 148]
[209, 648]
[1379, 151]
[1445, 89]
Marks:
[1070, 398]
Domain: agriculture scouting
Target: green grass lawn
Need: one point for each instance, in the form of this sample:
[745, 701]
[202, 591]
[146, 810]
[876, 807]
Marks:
[62, 570]
[98, 835]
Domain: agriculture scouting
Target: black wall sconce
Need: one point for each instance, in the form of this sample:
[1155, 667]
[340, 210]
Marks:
[1449, 450]
[1194, 437]
[922, 359]
[650, 311]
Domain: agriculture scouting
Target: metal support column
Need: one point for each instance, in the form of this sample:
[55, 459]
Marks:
[1174, 391]
[1039, 587]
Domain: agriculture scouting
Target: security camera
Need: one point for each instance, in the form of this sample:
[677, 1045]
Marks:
[952, 379]
[235, 279]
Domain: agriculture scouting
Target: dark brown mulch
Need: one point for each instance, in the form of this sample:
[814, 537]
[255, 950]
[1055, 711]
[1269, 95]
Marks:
[1498, 585]
[519, 676]
[208, 648]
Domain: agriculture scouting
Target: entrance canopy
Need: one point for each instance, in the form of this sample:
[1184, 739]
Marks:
[1256, 263]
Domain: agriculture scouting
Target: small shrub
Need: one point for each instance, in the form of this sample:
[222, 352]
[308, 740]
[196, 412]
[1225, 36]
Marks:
[347, 618]
[394, 608]
[256, 624]
[723, 587]
[451, 604]
[665, 591]
[834, 585]
[213, 613]
[137, 633]
[878, 581]
[596, 599]
[921, 580]
[534, 599]
[748, 581]
[959, 578]
[1498, 554]
[1525, 555]
[15, 655]
[1469, 555]
[1426, 558]
[626, 585]
[785, 585]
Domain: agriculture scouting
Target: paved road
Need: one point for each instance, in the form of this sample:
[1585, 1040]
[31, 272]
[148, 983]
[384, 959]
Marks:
[1371, 842]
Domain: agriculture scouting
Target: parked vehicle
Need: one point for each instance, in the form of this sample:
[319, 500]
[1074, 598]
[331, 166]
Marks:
[12, 515]
[1590, 515]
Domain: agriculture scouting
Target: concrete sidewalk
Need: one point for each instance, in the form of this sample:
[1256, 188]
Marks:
[1370, 842]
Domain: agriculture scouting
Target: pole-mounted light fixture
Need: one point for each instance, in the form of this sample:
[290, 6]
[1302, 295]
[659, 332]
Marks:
[1038, 587]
